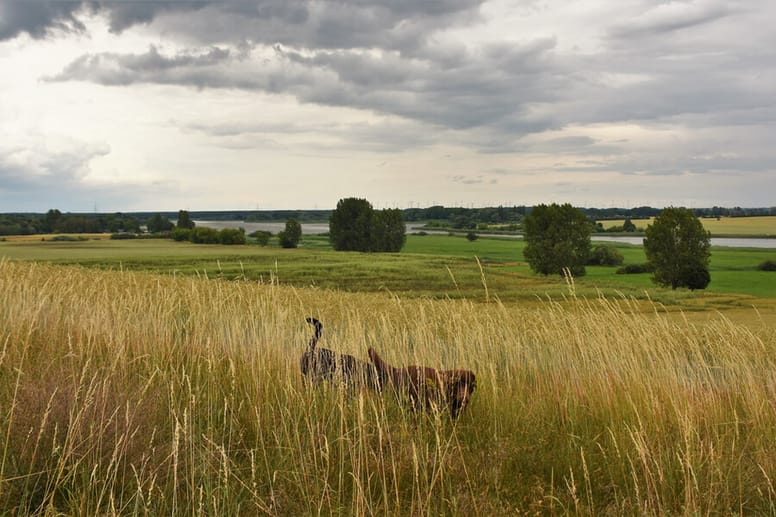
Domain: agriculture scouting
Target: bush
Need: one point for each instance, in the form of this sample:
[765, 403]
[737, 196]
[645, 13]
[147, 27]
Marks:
[122, 236]
[768, 265]
[262, 237]
[635, 269]
[471, 236]
[203, 235]
[603, 255]
[68, 238]
[231, 236]
[181, 234]
[696, 277]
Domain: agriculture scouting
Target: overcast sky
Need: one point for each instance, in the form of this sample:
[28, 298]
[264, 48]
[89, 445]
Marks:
[164, 105]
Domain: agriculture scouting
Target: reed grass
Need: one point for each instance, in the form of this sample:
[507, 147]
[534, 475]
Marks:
[125, 393]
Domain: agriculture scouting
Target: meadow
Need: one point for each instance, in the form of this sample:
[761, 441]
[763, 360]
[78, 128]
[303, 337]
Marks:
[160, 378]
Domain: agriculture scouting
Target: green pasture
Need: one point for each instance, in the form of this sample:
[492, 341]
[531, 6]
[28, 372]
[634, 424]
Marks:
[429, 265]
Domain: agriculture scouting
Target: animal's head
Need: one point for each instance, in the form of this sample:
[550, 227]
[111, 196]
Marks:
[461, 385]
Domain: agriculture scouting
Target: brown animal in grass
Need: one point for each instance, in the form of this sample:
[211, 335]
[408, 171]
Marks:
[319, 364]
[426, 387]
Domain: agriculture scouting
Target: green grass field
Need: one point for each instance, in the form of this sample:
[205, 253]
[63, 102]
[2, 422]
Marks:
[430, 265]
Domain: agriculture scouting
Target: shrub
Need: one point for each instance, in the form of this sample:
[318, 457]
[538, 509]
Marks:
[471, 236]
[122, 236]
[231, 236]
[203, 235]
[635, 269]
[262, 237]
[696, 276]
[68, 238]
[603, 255]
[181, 234]
[768, 265]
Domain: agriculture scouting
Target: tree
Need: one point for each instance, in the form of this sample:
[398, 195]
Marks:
[678, 248]
[184, 220]
[158, 224]
[50, 221]
[388, 230]
[289, 238]
[350, 225]
[557, 238]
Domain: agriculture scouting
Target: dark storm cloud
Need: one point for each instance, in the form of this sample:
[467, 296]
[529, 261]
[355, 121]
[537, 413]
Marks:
[38, 18]
[494, 88]
[304, 23]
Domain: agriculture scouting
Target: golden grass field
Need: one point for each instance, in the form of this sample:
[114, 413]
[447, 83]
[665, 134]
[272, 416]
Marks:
[742, 226]
[130, 393]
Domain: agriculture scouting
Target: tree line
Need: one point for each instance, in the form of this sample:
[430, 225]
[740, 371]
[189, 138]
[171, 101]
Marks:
[676, 244]
[460, 218]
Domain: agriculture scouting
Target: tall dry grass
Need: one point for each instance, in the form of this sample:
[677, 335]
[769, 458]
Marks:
[135, 394]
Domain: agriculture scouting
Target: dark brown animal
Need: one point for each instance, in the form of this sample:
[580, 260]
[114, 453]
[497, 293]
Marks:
[426, 387]
[319, 364]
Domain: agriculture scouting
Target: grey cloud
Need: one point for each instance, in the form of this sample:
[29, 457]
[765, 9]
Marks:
[38, 18]
[660, 18]
[303, 23]
[495, 90]
[383, 137]
[125, 69]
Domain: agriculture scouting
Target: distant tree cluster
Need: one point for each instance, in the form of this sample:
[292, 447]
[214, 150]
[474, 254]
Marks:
[356, 226]
[186, 230]
[204, 235]
[55, 221]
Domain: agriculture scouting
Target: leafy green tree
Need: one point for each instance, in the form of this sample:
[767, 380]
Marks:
[557, 238]
[50, 220]
[678, 248]
[184, 220]
[388, 230]
[628, 225]
[290, 237]
[350, 225]
[159, 224]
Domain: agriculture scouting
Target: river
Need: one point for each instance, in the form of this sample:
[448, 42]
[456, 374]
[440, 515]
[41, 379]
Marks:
[318, 228]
